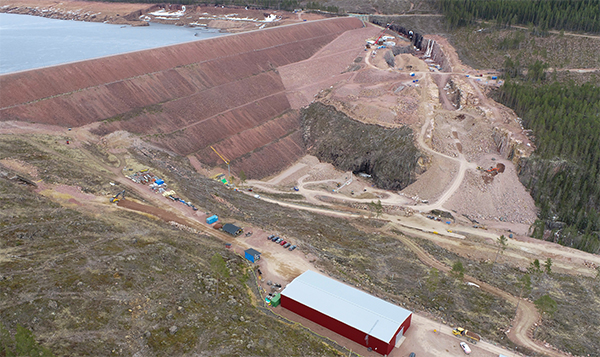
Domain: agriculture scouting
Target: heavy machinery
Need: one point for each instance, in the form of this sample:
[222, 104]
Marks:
[382, 33]
[492, 170]
[116, 198]
[222, 158]
[471, 336]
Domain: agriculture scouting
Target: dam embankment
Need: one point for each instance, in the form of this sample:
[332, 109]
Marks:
[224, 92]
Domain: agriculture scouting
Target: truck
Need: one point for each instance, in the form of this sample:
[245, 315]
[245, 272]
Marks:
[471, 336]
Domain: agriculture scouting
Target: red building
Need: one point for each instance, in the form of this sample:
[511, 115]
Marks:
[352, 313]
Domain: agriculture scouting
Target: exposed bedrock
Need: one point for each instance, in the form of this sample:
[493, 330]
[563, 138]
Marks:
[225, 92]
[387, 154]
[509, 146]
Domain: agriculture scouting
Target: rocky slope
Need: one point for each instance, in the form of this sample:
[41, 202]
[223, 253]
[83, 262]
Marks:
[387, 154]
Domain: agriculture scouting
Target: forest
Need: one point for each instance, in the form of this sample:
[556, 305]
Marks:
[568, 15]
[563, 175]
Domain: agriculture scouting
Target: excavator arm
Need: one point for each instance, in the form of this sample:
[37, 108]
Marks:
[116, 198]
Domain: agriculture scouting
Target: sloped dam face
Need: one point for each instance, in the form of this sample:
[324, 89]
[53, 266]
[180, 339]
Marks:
[225, 92]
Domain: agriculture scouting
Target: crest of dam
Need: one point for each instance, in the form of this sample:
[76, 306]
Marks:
[224, 92]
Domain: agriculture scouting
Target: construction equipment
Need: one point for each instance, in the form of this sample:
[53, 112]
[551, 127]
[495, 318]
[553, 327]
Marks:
[116, 198]
[382, 33]
[471, 336]
[222, 158]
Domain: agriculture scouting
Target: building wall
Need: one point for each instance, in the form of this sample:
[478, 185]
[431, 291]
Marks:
[336, 326]
[405, 325]
[249, 256]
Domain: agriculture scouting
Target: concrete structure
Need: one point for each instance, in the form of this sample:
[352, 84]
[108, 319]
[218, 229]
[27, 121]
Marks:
[252, 255]
[354, 314]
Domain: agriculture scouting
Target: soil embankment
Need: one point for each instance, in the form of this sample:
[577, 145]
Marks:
[226, 18]
[225, 92]
[91, 11]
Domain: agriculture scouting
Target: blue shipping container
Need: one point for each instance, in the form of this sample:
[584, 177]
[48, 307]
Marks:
[160, 182]
[212, 219]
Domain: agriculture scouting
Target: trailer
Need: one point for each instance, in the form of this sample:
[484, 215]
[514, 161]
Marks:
[471, 336]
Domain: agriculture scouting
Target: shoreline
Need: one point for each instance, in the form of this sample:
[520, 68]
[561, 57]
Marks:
[227, 19]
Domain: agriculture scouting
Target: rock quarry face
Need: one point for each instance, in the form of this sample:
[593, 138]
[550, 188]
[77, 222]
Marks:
[225, 92]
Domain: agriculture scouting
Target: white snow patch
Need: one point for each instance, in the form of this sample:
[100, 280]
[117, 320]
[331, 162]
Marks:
[162, 13]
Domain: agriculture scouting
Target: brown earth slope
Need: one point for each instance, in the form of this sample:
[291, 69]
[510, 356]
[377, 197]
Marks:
[224, 92]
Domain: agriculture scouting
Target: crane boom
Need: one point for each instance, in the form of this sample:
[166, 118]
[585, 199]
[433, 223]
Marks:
[224, 159]
[383, 32]
[221, 156]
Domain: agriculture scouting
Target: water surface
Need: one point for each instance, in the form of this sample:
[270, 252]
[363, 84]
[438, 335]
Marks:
[28, 42]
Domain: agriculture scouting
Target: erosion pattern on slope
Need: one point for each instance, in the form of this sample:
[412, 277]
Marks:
[224, 92]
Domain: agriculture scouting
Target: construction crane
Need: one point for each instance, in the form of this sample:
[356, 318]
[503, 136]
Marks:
[116, 198]
[382, 33]
[224, 159]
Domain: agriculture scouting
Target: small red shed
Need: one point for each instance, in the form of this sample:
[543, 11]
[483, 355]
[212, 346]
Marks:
[352, 313]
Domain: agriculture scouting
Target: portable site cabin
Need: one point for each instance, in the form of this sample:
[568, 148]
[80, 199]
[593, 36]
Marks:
[276, 300]
[232, 229]
[212, 219]
[354, 314]
[252, 255]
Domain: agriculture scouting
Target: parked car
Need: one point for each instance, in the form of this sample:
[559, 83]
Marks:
[275, 238]
[412, 354]
[287, 245]
[292, 248]
[270, 237]
[283, 242]
[465, 347]
[279, 240]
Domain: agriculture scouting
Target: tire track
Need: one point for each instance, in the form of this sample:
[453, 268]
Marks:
[526, 315]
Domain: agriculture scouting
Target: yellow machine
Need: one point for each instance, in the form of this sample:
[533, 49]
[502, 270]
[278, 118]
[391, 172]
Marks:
[116, 198]
[471, 336]
[222, 158]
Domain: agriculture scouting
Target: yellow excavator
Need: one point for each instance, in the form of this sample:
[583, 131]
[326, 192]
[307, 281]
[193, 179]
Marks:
[116, 198]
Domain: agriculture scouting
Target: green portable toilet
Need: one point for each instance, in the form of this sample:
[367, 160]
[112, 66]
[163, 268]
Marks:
[276, 300]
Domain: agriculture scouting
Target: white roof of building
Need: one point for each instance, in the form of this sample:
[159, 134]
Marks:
[355, 308]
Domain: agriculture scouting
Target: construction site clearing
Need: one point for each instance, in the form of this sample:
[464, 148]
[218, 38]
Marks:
[459, 130]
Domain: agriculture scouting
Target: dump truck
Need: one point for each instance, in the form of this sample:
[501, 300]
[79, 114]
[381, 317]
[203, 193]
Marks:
[471, 336]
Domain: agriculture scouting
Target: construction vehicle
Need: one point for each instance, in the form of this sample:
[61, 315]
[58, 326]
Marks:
[222, 158]
[471, 336]
[492, 170]
[116, 198]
